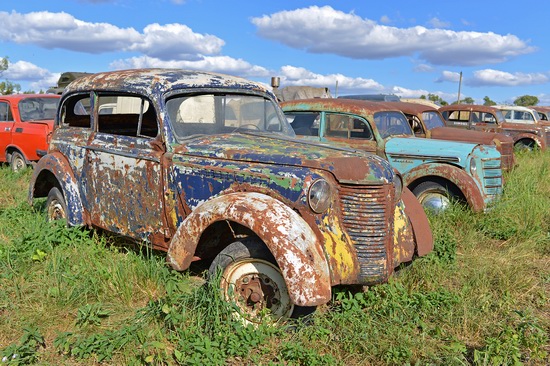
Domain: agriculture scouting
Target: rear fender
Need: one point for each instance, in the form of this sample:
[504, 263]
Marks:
[56, 165]
[290, 239]
[451, 173]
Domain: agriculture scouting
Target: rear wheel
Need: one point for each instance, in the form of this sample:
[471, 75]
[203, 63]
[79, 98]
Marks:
[251, 279]
[433, 196]
[17, 161]
[56, 207]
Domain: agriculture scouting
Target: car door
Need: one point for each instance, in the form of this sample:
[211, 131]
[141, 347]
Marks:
[6, 127]
[123, 182]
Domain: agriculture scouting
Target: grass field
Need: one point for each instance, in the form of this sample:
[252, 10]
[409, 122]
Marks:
[75, 297]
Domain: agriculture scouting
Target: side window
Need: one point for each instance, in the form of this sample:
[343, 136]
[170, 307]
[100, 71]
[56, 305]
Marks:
[5, 112]
[126, 115]
[416, 125]
[345, 126]
[488, 117]
[305, 124]
[75, 112]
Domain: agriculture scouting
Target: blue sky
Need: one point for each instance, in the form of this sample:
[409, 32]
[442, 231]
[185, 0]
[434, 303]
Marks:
[404, 47]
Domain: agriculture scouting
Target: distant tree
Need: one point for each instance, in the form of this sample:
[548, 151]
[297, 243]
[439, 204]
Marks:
[7, 87]
[526, 100]
[468, 100]
[3, 65]
[488, 101]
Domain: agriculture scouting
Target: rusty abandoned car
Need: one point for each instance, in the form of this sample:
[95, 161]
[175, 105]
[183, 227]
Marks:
[206, 167]
[435, 171]
[427, 122]
[491, 119]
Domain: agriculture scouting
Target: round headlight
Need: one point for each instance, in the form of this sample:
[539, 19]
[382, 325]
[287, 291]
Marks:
[398, 185]
[319, 196]
[473, 166]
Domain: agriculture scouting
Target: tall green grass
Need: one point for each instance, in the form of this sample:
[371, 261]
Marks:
[73, 296]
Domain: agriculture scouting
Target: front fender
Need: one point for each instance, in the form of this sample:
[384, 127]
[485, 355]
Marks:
[419, 222]
[56, 165]
[453, 174]
[290, 239]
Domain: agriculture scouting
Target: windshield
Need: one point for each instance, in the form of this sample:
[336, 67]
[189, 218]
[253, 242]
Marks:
[211, 114]
[38, 109]
[392, 124]
[432, 120]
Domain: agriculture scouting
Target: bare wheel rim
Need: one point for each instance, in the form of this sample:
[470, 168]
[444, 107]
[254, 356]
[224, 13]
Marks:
[56, 211]
[257, 288]
[18, 163]
[435, 201]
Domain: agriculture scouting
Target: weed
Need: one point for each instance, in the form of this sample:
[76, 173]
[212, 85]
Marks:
[25, 351]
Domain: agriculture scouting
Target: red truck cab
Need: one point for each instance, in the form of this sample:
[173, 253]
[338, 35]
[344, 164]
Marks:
[26, 124]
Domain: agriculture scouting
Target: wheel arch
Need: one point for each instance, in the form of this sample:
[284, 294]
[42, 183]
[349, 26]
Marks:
[448, 175]
[294, 245]
[53, 170]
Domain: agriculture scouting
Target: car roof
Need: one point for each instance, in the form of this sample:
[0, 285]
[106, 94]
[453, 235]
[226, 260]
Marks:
[468, 107]
[149, 81]
[26, 96]
[410, 108]
[355, 106]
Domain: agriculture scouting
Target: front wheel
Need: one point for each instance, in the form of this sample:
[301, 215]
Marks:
[433, 196]
[251, 279]
[56, 207]
[17, 162]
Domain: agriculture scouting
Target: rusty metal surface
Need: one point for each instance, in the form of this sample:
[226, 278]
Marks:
[536, 132]
[195, 196]
[296, 248]
[504, 143]
[420, 224]
[417, 159]
[456, 176]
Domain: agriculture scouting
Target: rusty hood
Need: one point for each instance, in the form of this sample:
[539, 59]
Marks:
[347, 165]
[478, 137]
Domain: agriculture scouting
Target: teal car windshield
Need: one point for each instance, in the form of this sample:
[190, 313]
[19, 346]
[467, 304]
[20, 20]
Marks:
[432, 120]
[392, 124]
[211, 114]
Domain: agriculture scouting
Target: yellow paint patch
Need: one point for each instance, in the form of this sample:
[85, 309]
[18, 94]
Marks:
[338, 247]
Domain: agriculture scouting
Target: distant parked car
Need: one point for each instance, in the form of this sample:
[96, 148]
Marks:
[427, 122]
[435, 171]
[543, 111]
[26, 123]
[491, 119]
[206, 167]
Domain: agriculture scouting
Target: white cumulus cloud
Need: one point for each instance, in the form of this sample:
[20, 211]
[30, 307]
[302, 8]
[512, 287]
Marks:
[291, 75]
[63, 31]
[452, 76]
[222, 64]
[326, 30]
[490, 77]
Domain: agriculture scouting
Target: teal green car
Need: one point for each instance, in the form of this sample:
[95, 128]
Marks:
[435, 171]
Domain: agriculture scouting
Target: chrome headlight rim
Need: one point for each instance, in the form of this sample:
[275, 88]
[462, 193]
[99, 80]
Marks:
[319, 195]
[473, 166]
[397, 184]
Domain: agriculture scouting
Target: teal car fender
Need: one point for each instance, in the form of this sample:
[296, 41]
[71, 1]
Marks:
[420, 159]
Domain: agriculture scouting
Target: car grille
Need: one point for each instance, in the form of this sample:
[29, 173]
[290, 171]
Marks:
[492, 176]
[368, 220]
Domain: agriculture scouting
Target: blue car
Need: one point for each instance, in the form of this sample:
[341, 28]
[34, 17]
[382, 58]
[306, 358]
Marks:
[435, 171]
